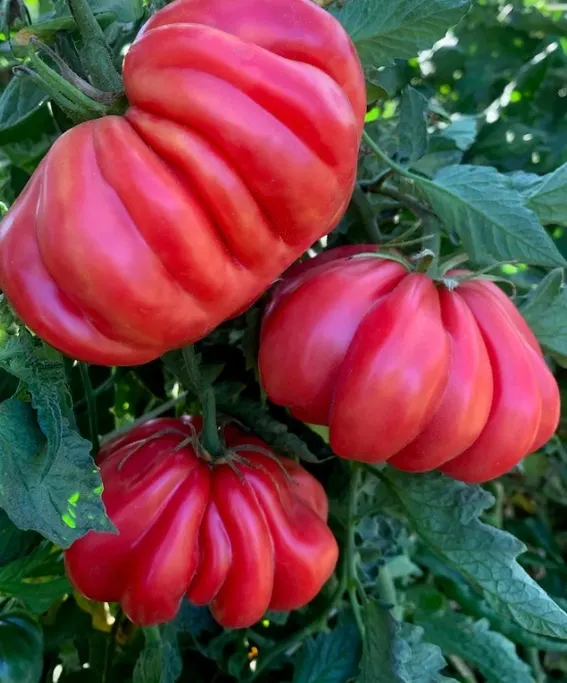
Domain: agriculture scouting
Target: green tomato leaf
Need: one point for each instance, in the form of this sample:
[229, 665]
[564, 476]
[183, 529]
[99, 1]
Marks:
[546, 313]
[413, 125]
[383, 30]
[462, 132]
[6, 192]
[394, 653]
[14, 543]
[27, 153]
[194, 620]
[545, 195]
[48, 480]
[479, 205]
[330, 657]
[38, 579]
[426, 659]
[384, 653]
[21, 109]
[159, 661]
[445, 514]
[125, 11]
[492, 654]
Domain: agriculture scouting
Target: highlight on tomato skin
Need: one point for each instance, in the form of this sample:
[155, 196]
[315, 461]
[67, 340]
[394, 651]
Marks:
[239, 150]
[241, 536]
[405, 371]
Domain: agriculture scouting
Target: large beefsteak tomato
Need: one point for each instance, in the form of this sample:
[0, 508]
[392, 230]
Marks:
[404, 370]
[245, 534]
[141, 233]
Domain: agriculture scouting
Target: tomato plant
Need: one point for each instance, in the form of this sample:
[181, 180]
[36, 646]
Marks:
[333, 234]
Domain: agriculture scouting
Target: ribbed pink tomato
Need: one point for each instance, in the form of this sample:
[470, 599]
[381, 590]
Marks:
[404, 370]
[243, 535]
[141, 233]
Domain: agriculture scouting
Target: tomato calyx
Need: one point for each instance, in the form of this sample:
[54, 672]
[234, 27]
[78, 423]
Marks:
[76, 97]
[231, 456]
[385, 256]
[444, 272]
[228, 455]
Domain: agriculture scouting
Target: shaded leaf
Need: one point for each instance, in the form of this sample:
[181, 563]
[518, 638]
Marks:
[21, 108]
[546, 313]
[329, 657]
[545, 195]
[159, 661]
[394, 653]
[48, 480]
[445, 513]
[462, 132]
[492, 654]
[37, 579]
[413, 125]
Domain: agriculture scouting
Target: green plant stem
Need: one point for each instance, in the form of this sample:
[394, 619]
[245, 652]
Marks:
[386, 159]
[462, 669]
[350, 568]
[496, 515]
[206, 395]
[156, 412]
[110, 648]
[105, 98]
[409, 202]
[535, 664]
[431, 236]
[321, 618]
[91, 406]
[152, 634]
[81, 107]
[96, 54]
[210, 433]
[75, 114]
[105, 386]
[367, 215]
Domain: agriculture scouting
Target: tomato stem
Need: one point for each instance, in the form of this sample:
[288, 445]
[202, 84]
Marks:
[203, 389]
[350, 558]
[210, 434]
[67, 96]
[105, 98]
[152, 634]
[95, 52]
[91, 407]
[111, 647]
[367, 216]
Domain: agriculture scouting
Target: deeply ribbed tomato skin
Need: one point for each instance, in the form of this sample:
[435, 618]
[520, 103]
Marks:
[141, 233]
[241, 540]
[405, 371]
